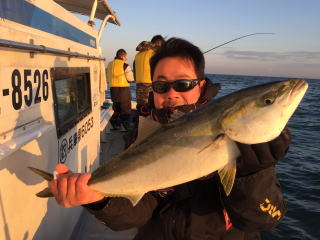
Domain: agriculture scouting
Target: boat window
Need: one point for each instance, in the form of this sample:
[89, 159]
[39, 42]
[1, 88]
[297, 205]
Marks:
[72, 96]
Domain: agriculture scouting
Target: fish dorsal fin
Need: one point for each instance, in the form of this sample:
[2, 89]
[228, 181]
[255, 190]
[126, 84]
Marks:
[146, 128]
[134, 199]
[227, 176]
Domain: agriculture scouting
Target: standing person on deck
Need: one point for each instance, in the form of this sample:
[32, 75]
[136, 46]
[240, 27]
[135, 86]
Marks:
[141, 68]
[119, 76]
[198, 209]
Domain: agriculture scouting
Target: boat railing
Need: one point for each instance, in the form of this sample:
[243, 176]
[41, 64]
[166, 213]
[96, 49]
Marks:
[45, 50]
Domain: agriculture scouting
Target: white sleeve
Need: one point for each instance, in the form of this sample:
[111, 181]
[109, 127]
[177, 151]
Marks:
[129, 74]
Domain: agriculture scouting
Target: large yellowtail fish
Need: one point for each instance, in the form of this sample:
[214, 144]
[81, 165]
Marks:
[198, 143]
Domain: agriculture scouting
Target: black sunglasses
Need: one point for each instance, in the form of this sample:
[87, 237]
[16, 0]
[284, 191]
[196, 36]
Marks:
[180, 85]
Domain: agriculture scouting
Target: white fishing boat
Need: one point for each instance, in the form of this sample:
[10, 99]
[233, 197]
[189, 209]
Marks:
[52, 86]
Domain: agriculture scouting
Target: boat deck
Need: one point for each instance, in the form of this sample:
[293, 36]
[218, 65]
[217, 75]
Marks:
[88, 227]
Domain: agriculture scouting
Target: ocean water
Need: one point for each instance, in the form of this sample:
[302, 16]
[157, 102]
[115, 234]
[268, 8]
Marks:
[299, 171]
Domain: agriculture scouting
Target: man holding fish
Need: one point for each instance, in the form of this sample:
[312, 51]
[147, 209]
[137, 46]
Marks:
[196, 175]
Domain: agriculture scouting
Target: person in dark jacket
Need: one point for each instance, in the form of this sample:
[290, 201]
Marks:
[199, 209]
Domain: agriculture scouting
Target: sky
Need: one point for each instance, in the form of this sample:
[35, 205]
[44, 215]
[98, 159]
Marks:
[292, 51]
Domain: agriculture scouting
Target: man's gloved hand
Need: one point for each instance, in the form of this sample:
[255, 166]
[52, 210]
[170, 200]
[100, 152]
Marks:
[256, 157]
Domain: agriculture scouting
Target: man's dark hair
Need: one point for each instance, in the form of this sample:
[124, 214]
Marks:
[177, 47]
[157, 38]
[120, 53]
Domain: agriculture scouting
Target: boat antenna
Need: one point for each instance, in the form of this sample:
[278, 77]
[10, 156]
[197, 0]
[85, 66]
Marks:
[233, 41]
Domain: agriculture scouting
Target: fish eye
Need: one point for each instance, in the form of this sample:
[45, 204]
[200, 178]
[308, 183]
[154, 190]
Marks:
[268, 100]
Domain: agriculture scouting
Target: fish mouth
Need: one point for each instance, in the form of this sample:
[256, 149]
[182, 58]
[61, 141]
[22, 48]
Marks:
[300, 86]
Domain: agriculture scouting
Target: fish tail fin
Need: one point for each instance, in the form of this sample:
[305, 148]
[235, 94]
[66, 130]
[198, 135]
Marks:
[227, 177]
[45, 175]
[45, 193]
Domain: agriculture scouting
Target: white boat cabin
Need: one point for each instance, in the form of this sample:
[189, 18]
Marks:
[52, 86]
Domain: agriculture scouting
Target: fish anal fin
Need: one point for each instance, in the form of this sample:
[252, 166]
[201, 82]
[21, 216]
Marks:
[135, 198]
[45, 193]
[227, 176]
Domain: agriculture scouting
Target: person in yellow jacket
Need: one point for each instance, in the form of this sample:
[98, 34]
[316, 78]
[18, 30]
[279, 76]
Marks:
[119, 76]
[142, 74]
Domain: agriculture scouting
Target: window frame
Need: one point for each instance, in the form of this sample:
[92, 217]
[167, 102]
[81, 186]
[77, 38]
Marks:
[61, 73]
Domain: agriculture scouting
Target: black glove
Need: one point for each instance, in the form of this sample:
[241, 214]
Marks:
[143, 110]
[256, 157]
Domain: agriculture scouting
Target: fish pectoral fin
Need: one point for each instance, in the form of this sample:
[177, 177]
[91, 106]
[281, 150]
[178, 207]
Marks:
[227, 176]
[134, 199]
[45, 193]
[45, 175]
[215, 143]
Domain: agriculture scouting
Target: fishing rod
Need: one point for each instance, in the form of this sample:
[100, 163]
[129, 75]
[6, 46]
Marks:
[233, 41]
